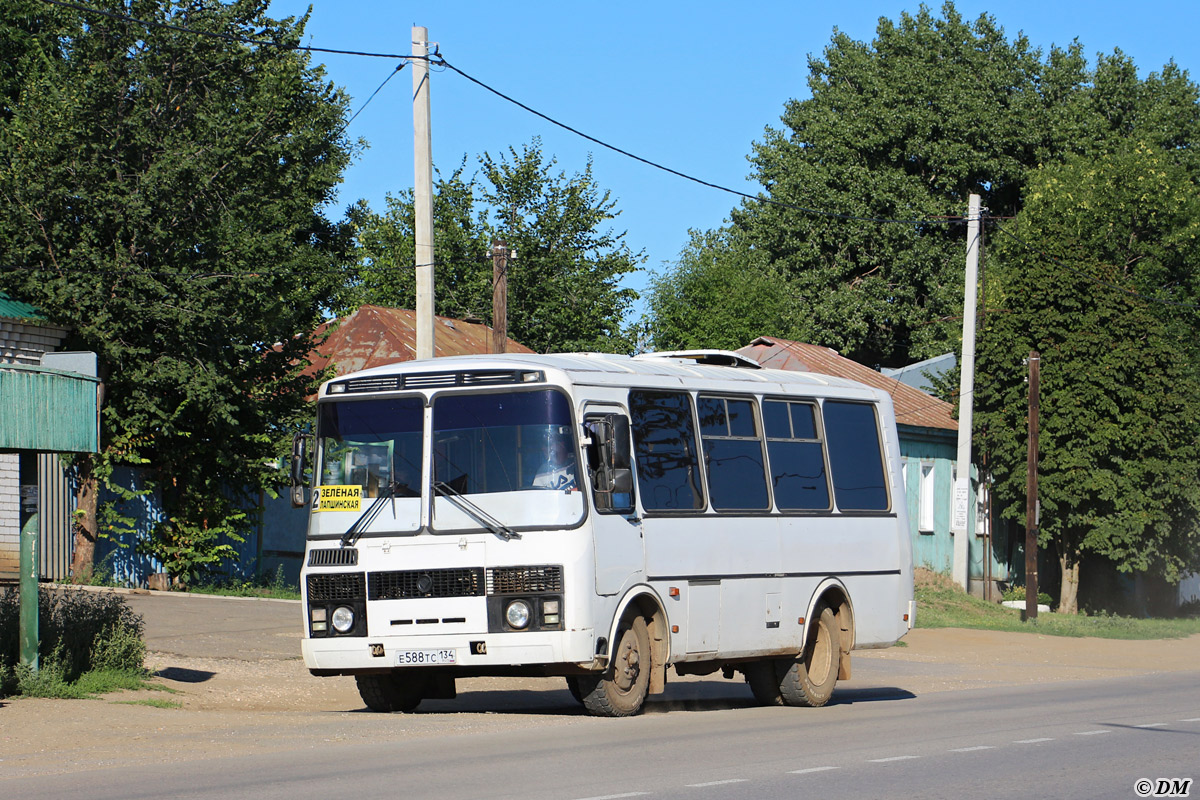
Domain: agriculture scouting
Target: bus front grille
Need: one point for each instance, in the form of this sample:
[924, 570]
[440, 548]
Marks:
[400, 585]
[524, 580]
[337, 587]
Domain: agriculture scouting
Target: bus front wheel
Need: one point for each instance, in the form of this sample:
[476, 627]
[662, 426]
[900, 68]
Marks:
[391, 692]
[809, 681]
[621, 689]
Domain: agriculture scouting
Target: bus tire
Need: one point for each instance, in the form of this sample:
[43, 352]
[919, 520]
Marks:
[809, 680]
[394, 691]
[621, 689]
[763, 677]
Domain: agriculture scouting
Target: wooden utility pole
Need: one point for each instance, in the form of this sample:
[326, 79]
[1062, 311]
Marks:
[1031, 491]
[499, 296]
[960, 523]
[423, 192]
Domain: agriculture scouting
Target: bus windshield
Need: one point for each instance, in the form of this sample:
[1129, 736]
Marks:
[375, 444]
[513, 453]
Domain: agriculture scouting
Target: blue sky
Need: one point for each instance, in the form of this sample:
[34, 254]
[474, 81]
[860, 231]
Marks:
[689, 85]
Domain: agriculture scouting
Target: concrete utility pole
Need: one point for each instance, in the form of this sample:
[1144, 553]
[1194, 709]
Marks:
[423, 192]
[959, 522]
[1031, 488]
[500, 257]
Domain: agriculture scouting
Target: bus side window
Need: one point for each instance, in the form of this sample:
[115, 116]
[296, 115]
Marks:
[797, 456]
[855, 457]
[733, 454]
[664, 445]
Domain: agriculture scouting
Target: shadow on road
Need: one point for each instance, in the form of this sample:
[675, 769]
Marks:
[873, 695]
[183, 675]
[679, 697]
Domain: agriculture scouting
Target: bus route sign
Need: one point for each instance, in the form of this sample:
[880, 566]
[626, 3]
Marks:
[337, 498]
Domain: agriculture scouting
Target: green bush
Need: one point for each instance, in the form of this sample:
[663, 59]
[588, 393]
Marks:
[266, 584]
[1018, 593]
[78, 631]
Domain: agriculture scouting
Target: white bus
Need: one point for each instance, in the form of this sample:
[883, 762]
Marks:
[601, 518]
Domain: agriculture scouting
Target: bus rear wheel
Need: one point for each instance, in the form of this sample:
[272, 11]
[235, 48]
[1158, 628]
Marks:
[393, 691]
[810, 680]
[763, 677]
[621, 689]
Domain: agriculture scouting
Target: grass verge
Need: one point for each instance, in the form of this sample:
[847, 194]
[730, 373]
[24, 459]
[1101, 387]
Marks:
[50, 681]
[271, 584]
[942, 604]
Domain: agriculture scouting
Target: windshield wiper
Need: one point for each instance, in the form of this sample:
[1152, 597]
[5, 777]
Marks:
[367, 517]
[475, 512]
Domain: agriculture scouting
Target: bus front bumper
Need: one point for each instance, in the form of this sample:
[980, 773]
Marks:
[474, 653]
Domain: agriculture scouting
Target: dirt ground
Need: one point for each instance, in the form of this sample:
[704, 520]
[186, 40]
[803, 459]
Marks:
[238, 706]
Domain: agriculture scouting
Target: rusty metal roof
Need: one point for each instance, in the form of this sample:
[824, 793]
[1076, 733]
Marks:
[374, 335]
[913, 407]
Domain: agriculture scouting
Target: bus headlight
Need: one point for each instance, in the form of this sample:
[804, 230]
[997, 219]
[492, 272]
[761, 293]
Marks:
[517, 614]
[343, 619]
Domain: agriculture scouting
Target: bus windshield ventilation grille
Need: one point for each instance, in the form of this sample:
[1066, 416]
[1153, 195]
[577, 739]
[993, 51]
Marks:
[524, 580]
[437, 380]
[341, 557]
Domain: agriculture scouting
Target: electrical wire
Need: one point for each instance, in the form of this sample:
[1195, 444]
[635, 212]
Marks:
[353, 116]
[692, 178]
[437, 60]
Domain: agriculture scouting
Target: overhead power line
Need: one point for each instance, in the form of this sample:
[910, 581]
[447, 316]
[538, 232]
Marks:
[692, 178]
[438, 60]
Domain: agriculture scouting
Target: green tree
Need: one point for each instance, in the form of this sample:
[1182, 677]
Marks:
[904, 128]
[564, 290]
[161, 196]
[1097, 273]
[720, 293]
[384, 273]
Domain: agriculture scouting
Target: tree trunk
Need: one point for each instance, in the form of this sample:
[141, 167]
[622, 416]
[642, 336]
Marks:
[85, 523]
[1068, 601]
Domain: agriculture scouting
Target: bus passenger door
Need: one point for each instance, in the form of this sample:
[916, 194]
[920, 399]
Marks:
[616, 528]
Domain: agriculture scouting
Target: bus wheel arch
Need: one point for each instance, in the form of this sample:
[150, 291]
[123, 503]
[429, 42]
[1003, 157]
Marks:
[833, 594]
[637, 655]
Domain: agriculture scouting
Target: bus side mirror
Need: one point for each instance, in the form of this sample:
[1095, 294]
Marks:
[299, 457]
[619, 433]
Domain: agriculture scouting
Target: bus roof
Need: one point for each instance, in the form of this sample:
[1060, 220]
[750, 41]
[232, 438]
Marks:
[598, 369]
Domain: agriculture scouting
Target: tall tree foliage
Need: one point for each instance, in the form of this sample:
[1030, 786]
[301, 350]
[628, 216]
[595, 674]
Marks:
[720, 293]
[564, 289]
[160, 195]
[1099, 274]
[904, 128]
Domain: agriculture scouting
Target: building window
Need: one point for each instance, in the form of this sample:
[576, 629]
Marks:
[925, 498]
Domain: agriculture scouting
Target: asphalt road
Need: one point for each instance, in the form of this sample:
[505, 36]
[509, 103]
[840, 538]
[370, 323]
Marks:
[219, 627]
[1091, 739]
[1071, 739]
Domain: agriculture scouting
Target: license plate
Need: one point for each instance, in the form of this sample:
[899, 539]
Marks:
[421, 658]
